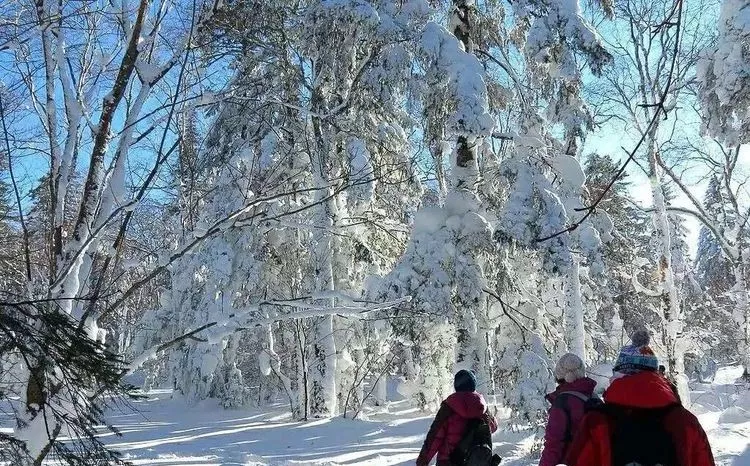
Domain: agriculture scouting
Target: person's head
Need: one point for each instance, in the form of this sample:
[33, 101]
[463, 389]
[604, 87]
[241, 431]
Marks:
[637, 357]
[569, 369]
[465, 381]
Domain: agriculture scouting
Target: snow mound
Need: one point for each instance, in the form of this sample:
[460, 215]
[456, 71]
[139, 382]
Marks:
[569, 170]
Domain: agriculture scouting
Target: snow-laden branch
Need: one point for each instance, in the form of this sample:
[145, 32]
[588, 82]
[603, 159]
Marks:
[700, 213]
[242, 320]
[230, 221]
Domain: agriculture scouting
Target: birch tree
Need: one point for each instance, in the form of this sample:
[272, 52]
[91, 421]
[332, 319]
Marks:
[657, 46]
[88, 105]
[727, 225]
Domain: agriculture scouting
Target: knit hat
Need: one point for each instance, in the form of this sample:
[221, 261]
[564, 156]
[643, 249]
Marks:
[569, 368]
[465, 381]
[638, 356]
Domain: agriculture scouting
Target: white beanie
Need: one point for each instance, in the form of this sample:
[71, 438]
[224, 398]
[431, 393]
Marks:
[569, 368]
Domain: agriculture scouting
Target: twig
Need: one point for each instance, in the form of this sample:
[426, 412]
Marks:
[504, 307]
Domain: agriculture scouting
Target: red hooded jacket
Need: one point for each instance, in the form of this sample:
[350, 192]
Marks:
[449, 425]
[556, 437]
[591, 446]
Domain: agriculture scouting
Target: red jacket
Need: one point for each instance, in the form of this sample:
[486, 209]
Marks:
[591, 446]
[556, 437]
[449, 424]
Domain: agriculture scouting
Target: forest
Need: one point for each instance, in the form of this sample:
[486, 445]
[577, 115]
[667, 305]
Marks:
[326, 204]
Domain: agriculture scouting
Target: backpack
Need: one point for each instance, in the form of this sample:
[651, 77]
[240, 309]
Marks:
[639, 438]
[589, 403]
[475, 447]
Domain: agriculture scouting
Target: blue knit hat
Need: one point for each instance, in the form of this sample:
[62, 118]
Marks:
[637, 356]
[465, 381]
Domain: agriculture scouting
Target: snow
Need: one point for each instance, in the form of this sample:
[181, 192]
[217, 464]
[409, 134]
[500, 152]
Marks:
[362, 174]
[148, 72]
[569, 170]
[465, 76]
[168, 430]
[264, 361]
[35, 433]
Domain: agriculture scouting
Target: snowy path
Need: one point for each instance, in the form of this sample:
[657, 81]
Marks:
[169, 432]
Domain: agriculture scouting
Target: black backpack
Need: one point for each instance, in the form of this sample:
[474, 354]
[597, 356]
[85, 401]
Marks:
[639, 438]
[589, 404]
[475, 447]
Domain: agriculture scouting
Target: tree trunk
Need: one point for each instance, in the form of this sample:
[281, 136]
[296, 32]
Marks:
[437, 156]
[323, 365]
[381, 390]
[671, 312]
[740, 315]
[323, 390]
[465, 167]
[303, 387]
[286, 382]
[575, 331]
[465, 178]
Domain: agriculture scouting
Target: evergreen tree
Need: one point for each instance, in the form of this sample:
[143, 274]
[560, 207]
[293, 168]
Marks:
[716, 277]
[713, 269]
[625, 247]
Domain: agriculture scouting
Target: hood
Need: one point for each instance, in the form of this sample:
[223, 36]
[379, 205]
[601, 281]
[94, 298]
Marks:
[584, 386]
[641, 390]
[468, 405]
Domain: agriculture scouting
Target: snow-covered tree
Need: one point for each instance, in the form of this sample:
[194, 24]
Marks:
[86, 108]
[621, 310]
[713, 269]
[724, 77]
[657, 46]
[728, 225]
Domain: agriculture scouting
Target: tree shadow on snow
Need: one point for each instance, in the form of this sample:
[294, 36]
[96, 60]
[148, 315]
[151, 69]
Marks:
[171, 432]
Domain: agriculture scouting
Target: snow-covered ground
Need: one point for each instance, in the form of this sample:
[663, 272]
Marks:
[169, 432]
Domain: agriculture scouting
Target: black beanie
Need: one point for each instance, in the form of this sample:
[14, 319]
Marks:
[465, 381]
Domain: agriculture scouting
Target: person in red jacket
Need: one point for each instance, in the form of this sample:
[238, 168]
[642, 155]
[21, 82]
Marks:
[641, 416]
[449, 424]
[568, 405]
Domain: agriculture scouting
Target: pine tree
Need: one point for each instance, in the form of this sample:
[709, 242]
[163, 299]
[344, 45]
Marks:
[716, 277]
[624, 247]
[714, 270]
[12, 275]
